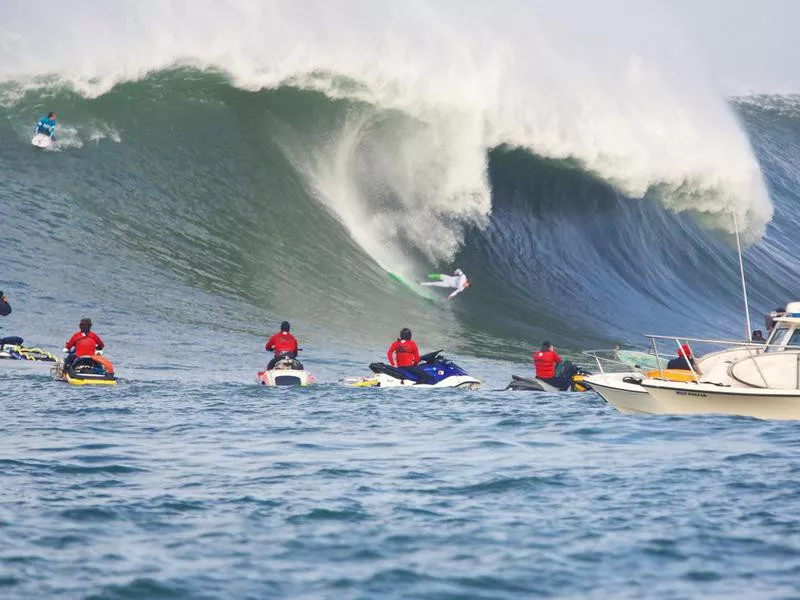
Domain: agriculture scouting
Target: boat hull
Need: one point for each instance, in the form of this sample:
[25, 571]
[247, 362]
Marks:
[627, 398]
[694, 399]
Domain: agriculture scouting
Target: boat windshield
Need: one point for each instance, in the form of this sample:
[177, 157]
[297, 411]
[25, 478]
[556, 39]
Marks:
[794, 341]
[775, 343]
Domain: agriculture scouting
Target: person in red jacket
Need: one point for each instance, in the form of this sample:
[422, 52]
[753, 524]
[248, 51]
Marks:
[403, 352]
[84, 343]
[545, 361]
[282, 344]
[683, 360]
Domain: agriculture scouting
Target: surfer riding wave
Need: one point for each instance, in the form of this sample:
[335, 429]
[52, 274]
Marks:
[458, 280]
[47, 126]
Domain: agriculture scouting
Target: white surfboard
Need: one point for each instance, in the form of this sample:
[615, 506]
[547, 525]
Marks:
[41, 140]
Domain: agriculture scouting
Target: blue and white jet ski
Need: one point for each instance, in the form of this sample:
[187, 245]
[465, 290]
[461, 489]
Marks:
[433, 371]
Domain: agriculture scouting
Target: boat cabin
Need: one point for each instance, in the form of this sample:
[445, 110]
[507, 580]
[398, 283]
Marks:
[785, 335]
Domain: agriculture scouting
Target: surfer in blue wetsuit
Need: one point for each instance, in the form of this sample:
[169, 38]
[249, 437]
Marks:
[47, 125]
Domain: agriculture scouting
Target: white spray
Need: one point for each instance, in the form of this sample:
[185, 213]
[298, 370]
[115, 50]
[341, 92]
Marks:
[613, 86]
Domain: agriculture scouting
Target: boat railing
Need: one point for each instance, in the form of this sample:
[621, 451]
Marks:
[683, 341]
[706, 341]
[618, 360]
[752, 349]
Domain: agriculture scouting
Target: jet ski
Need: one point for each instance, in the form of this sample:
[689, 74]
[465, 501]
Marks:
[11, 348]
[571, 372]
[86, 370]
[434, 370]
[288, 371]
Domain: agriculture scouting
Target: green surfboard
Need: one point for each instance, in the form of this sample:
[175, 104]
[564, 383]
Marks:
[418, 291]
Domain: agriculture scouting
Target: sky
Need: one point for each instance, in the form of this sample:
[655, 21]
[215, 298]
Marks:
[747, 46]
[743, 46]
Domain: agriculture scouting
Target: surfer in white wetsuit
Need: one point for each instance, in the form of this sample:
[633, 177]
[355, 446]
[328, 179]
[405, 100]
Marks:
[457, 280]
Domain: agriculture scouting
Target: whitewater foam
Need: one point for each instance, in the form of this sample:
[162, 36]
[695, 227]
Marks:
[101, 131]
[396, 182]
[631, 108]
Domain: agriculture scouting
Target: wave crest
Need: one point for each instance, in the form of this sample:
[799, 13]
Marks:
[438, 88]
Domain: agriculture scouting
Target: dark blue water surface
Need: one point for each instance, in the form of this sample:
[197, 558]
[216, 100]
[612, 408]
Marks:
[174, 489]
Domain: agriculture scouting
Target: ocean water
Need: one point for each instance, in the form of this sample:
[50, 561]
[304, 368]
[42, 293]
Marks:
[179, 490]
[222, 171]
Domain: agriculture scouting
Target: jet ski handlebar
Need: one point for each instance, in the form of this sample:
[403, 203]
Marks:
[430, 357]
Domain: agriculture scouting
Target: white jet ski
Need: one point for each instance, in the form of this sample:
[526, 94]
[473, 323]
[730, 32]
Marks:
[287, 372]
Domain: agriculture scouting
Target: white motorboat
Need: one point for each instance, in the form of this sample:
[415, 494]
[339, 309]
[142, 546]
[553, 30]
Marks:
[754, 380]
[621, 372]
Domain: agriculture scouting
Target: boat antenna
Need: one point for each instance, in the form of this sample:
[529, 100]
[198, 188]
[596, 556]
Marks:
[741, 273]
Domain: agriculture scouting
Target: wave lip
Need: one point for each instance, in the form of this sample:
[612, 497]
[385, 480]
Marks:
[467, 80]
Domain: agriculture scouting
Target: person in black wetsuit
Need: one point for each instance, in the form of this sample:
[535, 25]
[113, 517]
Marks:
[683, 360]
[770, 318]
[5, 310]
[5, 307]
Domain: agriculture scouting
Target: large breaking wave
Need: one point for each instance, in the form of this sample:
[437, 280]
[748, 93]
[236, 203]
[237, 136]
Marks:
[295, 150]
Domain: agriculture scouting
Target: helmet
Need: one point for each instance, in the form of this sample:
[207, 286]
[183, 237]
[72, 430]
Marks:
[285, 326]
[405, 333]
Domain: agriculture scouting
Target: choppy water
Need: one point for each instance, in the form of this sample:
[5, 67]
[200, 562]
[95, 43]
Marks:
[177, 490]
